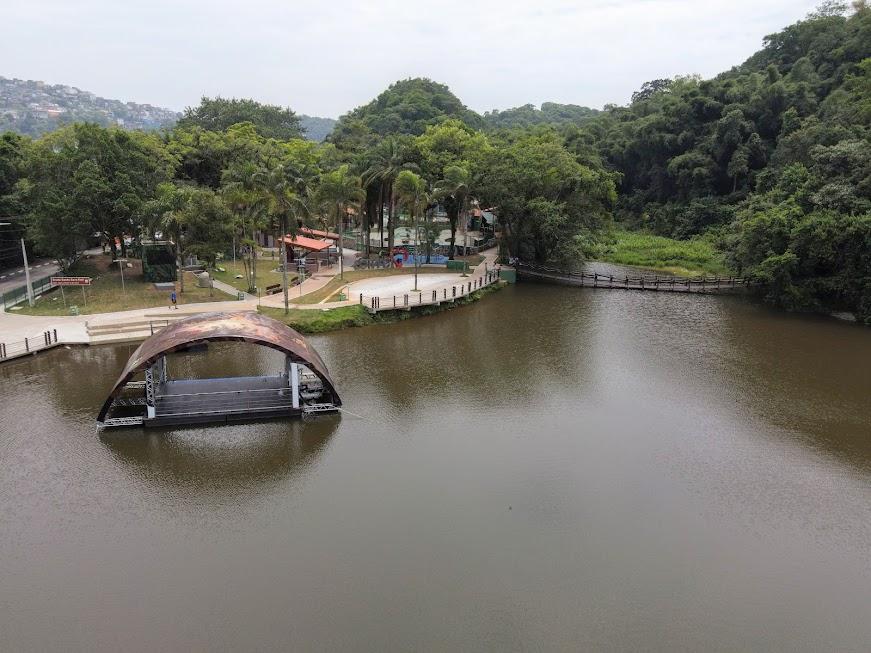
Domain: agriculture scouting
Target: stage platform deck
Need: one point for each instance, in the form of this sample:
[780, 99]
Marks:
[184, 401]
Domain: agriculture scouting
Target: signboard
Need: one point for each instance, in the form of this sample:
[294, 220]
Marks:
[71, 281]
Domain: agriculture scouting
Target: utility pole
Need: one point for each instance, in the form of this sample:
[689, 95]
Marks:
[27, 274]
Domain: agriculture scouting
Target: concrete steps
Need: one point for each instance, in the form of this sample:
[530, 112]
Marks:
[134, 329]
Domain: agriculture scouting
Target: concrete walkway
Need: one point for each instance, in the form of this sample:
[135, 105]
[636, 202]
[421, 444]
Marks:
[74, 329]
[232, 290]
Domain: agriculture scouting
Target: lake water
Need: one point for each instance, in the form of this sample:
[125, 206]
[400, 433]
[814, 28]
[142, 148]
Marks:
[548, 469]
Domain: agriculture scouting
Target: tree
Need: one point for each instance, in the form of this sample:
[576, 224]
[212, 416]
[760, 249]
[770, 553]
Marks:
[86, 179]
[453, 191]
[411, 193]
[406, 107]
[649, 89]
[551, 113]
[13, 185]
[389, 159]
[339, 191]
[198, 222]
[242, 194]
[284, 190]
[450, 152]
[218, 114]
[536, 183]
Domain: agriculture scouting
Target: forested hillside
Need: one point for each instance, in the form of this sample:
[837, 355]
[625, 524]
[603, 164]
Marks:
[772, 156]
[406, 107]
[550, 113]
[316, 129]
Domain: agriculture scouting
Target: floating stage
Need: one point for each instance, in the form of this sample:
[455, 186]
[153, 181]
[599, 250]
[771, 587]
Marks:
[304, 386]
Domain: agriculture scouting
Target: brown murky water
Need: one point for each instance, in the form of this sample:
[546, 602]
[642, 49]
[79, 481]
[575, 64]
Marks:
[549, 469]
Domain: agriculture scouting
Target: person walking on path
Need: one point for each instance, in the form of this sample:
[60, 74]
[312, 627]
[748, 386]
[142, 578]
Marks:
[174, 299]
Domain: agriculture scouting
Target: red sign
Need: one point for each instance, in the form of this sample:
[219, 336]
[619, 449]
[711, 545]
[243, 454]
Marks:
[71, 281]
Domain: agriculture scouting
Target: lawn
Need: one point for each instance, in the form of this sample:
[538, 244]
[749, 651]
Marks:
[471, 260]
[315, 321]
[682, 257]
[105, 294]
[266, 274]
[334, 285]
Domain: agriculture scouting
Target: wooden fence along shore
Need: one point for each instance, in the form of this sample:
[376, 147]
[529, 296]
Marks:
[432, 297]
[28, 346]
[707, 284]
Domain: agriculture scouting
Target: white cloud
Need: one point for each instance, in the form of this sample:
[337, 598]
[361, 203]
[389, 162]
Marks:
[324, 58]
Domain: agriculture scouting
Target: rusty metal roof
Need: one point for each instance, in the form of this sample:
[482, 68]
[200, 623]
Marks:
[247, 326]
[306, 243]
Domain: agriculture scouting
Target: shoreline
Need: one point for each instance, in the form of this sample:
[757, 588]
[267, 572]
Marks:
[138, 326]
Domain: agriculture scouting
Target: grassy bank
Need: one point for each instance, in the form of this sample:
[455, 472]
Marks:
[681, 257]
[105, 294]
[266, 274]
[332, 319]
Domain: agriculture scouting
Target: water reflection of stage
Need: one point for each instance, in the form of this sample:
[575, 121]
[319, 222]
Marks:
[221, 461]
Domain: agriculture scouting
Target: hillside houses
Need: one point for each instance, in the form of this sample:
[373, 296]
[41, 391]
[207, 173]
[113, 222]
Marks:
[34, 107]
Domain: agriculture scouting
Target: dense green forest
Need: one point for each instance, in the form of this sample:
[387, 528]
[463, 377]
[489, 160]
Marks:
[550, 113]
[771, 158]
[768, 162]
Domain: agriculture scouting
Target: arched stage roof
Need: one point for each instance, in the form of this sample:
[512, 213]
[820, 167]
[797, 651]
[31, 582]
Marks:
[245, 326]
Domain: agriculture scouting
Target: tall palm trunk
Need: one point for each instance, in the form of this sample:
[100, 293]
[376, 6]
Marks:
[341, 241]
[254, 259]
[381, 217]
[179, 262]
[452, 218]
[427, 234]
[283, 246]
[416, 252]
[390, 226]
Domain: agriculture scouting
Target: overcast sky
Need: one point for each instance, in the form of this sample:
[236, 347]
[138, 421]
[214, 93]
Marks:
[325, 57]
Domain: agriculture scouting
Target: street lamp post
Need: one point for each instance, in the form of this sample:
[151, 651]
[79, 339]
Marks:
[27, 274]
[121, 262]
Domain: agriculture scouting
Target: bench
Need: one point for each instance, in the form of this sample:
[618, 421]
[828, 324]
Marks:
[274, 288]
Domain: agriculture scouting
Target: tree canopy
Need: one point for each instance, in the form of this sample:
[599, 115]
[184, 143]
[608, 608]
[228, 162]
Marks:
[760, 157]
[406, 107]
[218, 114]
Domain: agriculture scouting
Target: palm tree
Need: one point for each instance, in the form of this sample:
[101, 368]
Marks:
[411, 193]
[454, 190]
[390, 160]
[243, 195]
[339, 191]
[283, 190]
[171, 203]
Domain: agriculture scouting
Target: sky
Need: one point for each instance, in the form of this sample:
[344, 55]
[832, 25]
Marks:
[326, 57]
